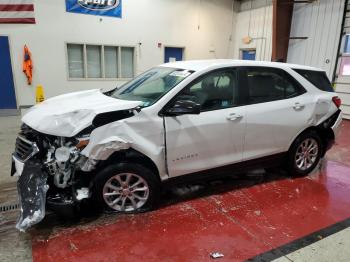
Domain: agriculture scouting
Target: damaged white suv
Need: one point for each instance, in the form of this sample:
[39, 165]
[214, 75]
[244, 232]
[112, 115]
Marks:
[180, 119]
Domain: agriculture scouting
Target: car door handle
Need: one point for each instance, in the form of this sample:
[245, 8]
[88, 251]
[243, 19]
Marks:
[298, 106]
[233, 117]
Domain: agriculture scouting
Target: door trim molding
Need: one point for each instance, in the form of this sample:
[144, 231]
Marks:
[213, 173]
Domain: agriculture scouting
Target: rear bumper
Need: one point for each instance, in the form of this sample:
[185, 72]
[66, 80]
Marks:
[334, 123]
[336, 126]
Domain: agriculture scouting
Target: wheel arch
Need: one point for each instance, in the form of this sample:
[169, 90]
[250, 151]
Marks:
[131, 156]
[326, 134]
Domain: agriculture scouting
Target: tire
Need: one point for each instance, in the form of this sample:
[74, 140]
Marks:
[132, 188]
[304, 154]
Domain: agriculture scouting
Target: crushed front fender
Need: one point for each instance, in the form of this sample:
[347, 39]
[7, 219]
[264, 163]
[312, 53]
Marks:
[32, 187]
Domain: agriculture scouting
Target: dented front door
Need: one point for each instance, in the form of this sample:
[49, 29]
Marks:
[214, 138]
[205, 141]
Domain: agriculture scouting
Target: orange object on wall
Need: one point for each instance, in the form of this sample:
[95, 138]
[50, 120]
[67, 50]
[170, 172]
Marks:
[28, 64]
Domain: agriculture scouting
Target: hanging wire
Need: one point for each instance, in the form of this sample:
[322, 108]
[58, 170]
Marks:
[263, 40]
[230, 41]
[250, 16]
[199, 14]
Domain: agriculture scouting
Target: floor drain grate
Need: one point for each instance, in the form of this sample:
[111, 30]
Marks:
[9, 207]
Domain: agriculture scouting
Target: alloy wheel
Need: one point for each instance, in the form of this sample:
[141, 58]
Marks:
[306, 154]
[125, 192]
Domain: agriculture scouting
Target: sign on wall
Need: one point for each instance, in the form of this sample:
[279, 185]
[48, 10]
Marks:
[95, 7]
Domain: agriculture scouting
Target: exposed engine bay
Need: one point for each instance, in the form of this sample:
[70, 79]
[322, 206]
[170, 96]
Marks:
[61, 156]
[59, 166]
[51, 165]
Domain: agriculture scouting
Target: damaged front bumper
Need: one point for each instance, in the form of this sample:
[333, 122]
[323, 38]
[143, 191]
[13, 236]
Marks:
[32, 187]
[34, 199]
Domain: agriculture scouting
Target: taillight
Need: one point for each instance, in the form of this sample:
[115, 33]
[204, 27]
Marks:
[337, 101]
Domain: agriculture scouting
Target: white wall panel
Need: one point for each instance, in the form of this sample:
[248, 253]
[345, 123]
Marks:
[256, 23]
[346, 111]
[343, 81]
[320, 21]
[203, 27]
[252, 4]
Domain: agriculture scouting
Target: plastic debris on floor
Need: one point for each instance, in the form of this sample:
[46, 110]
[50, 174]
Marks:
[216, 255]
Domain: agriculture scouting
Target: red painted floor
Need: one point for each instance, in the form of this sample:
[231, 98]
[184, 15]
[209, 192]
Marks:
[240, 217]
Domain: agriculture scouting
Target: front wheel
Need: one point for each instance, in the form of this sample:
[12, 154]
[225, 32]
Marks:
[304, 154]
[127, 188]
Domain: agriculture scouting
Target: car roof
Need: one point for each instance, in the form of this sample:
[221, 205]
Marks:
[200, 65]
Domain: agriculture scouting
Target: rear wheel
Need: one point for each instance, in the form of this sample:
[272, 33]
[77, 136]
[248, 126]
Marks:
[304, 154]
[127, 188]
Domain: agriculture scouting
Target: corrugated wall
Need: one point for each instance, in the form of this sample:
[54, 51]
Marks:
[320, 22]
[342, 84]
[254, 20]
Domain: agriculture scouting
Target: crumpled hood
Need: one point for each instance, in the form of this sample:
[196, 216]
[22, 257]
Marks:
[66, 115]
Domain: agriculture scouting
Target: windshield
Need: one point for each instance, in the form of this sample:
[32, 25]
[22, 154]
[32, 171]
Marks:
[151, 85]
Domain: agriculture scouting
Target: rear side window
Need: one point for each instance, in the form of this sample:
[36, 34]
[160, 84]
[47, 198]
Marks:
[317, 78]
[270, 84]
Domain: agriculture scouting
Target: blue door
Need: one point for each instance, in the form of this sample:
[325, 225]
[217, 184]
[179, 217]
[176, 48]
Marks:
[248, 54]
[172, 54]
[7, 90]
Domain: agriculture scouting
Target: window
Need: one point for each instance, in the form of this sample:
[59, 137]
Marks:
[93, 55]
[151, 85]
[347, 44]
[75, 61]
[345, 66]
[270, 84]
[216, 90]
[318, 78]
[100, 62]
[127, 62]
[111, 56]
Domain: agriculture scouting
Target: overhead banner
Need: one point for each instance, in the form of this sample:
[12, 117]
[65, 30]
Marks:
[95, 7]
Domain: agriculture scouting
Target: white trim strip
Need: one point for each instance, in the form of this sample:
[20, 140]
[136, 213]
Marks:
[16, 2]
[25, 14]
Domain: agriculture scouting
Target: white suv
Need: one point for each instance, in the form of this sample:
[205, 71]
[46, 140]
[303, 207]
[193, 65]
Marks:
[188, 119]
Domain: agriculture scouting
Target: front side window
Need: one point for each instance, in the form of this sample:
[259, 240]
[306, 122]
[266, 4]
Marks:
[151, 85]
[216, 90]
[269, 84]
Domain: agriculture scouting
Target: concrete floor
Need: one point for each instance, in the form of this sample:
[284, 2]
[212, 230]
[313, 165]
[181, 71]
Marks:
[9, 127]
[332, 248]
[258, 216]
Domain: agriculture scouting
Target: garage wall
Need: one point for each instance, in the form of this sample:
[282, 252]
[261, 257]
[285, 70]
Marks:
[254, 20]
[342, 81]
[203, 27]
[320, 22]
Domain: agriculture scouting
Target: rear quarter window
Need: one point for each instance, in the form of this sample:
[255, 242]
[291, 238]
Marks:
[318, 78]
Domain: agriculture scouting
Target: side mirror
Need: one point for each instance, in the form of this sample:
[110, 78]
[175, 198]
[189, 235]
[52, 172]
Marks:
[184, 107]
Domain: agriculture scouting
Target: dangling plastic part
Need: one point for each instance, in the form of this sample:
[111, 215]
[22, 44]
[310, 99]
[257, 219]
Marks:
[32, 188]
